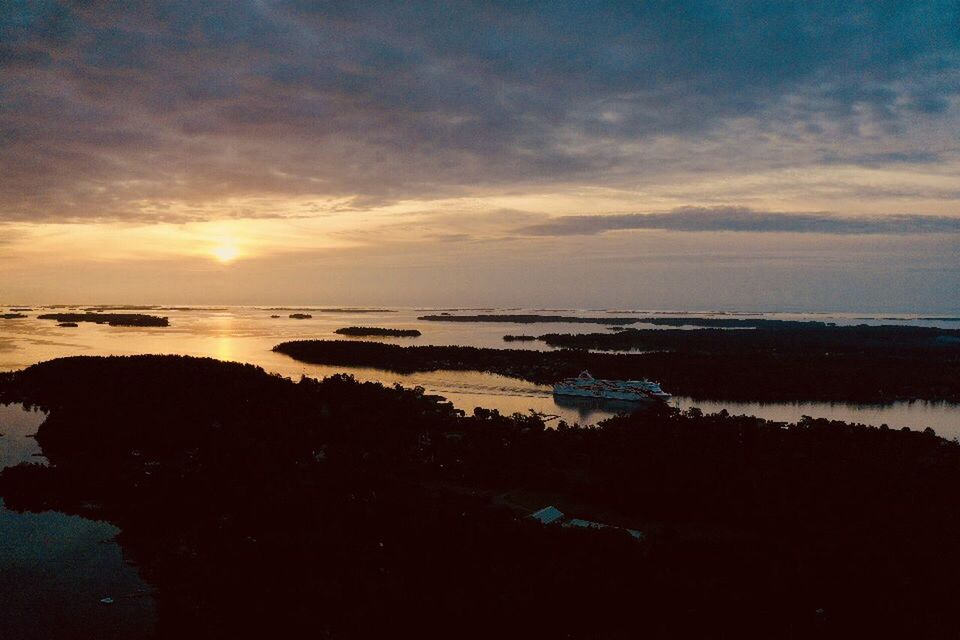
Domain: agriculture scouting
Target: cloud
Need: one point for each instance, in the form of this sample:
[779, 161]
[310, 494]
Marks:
[109, 110]
[741, 219]
[9, 239]
[884, 159]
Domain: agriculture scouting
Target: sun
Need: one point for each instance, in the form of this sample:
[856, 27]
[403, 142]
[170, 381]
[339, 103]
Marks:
[225, 253]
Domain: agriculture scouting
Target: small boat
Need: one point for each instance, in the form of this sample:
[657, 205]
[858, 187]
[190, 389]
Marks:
[585, 385]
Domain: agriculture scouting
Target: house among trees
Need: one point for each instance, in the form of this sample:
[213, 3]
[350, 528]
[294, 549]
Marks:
[552, 515]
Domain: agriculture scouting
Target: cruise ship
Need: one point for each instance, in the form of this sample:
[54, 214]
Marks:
[585, 385]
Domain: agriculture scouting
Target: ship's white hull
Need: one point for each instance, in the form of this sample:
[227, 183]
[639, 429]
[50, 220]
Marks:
[610, 394]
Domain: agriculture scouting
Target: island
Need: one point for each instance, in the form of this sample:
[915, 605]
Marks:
[112, 319]
[255, 504]
[11, 316]
[797, 338]
[519, 338]
[378, 331]
[843, 364]
[300, 316]
[68, 324]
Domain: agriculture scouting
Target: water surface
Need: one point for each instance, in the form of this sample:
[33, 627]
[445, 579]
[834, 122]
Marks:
[55, 568]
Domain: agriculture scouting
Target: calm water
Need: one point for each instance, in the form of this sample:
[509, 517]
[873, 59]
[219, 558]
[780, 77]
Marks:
[247, 334]
[55, 568]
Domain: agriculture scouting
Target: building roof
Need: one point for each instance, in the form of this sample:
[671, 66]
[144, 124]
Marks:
[547, 515]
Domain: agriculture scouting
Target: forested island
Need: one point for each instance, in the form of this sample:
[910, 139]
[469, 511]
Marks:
[796, 338]
[300, 316]
[258, 506]
[519, 338]
[378, 331]
[846, 364]
[12, 316]
[112, 319]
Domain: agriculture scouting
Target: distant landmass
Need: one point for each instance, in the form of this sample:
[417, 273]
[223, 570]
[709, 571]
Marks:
[112, 319]
[330, 309]
[378, 331]
[691, 321]
[527, 318]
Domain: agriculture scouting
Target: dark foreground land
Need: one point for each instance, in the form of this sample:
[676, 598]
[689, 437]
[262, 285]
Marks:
[260, 507]
[378, 331]
[112, 319]
[845, 364]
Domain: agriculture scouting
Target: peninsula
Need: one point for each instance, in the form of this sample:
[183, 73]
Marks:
[844, 364]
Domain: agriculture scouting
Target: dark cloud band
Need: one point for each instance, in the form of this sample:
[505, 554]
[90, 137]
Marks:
[746, 220]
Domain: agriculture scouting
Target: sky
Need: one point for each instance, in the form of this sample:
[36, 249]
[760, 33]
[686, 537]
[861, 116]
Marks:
[654, 155]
